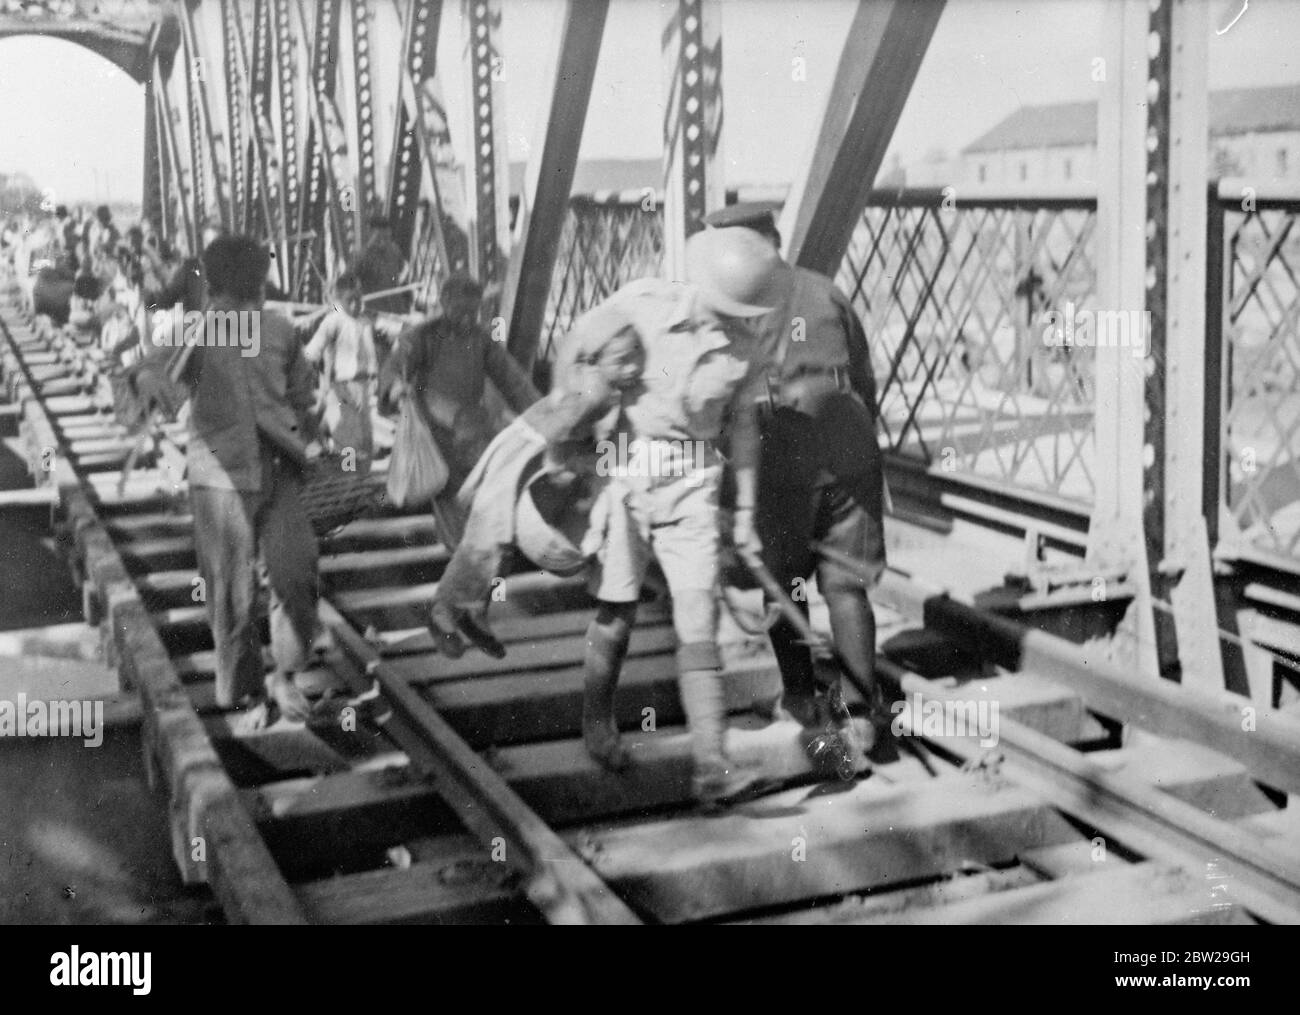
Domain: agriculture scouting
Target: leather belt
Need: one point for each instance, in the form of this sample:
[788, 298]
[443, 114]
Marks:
[775, 399]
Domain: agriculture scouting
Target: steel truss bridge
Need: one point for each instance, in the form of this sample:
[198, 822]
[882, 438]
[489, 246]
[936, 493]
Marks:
[1154, 500]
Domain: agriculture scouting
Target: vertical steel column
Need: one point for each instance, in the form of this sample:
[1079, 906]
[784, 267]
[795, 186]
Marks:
[1115, 536]
[419, 64]
[194, 128]
[259, 97]
[155, 170]
[363, 107]
[692, 65]
[322, 198]
[168, 120]
[1214, 465]
[235, 104]
[286, 85]
[1157, 234]
[491, 179]
[206, 123]
[264, 213]
[1186, 564]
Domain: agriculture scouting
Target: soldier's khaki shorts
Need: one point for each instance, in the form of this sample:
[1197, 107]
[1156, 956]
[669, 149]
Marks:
[670, 518]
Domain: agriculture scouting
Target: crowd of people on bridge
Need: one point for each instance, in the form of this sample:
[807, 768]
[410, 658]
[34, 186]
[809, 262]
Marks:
[748, 386]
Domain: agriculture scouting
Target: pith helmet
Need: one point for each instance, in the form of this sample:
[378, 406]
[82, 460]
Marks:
[737, 271]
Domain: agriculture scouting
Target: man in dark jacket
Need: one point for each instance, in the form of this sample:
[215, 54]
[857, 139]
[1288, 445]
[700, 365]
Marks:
[819, 480]
[444, 362]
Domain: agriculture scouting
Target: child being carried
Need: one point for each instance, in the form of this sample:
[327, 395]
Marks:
[554, 438]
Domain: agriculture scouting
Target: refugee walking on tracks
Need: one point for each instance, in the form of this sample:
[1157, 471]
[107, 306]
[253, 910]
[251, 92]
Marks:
[548, 453]
[698, 380]
[344, 347]
[820, 481]
[249, 430]
[445, 363]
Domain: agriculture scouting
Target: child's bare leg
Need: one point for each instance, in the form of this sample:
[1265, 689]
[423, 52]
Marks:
[607, 638]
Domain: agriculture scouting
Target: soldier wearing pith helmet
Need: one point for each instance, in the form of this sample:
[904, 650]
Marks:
[699, 385]
[819, 481]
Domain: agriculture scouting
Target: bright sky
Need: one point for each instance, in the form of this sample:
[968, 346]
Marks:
[75, 123]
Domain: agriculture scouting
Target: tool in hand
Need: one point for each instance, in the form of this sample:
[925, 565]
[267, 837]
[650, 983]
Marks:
[782, 601]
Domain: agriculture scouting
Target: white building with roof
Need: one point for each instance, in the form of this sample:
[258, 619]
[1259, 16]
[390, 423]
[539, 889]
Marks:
[1254, 133]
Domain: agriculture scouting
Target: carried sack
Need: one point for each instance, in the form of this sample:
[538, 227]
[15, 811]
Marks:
[417, 472]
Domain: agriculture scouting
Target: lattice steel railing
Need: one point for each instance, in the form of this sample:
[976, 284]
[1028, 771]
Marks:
[953, 295]
[605, 244]
[953, 301]
[1260, 428]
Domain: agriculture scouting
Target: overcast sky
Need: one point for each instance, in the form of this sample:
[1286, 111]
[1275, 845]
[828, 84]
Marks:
[75, 123]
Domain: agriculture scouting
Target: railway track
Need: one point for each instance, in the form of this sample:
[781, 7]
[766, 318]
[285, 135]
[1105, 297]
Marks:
[442, 790]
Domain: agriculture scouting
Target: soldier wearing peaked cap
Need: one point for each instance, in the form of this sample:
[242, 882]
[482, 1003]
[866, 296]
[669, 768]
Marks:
[819, 481]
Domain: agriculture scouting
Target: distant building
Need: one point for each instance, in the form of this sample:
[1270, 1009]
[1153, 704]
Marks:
[1254, 132]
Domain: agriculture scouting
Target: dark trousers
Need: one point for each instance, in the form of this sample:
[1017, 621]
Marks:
[231, 529]
[800, 501]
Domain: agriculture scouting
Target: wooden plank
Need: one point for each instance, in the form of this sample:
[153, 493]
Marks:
[560, 782]
[150, 525]
[512, 625]
[1051, 708]
[884, 905]
[517, 708]
[557, 779]
[555, 881]
[1080, 857]
[368, 533]
[45, 496]
[458, 885]
[869, 835]
[1207, 780]
[1144, 894]
[534, 655]
[347, 820]
[375, 560]
[284, 750]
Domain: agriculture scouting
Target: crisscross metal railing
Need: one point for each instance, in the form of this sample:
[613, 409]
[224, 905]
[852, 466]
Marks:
[953, 295]
[1260, 422]
[605, 244]
[953, 299]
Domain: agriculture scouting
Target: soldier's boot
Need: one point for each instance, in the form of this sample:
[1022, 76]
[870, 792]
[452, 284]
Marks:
[718, 781]
[828, 734]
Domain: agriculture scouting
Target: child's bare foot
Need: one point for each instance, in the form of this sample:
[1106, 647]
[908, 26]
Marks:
[291, 702]
[477, 632]
[443, 627]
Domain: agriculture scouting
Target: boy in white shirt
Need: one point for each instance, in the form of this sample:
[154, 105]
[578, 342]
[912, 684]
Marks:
[344, 348]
